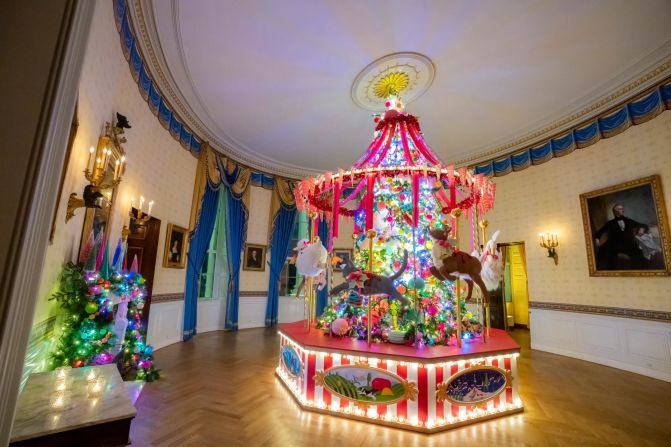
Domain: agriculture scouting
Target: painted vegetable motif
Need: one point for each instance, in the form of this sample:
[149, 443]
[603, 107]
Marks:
[366, 384]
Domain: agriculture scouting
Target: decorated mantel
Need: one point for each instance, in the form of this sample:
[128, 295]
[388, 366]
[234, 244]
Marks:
[396, 344]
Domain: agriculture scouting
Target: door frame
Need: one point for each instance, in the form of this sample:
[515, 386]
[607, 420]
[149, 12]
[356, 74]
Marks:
[30, 230]
[526, 278]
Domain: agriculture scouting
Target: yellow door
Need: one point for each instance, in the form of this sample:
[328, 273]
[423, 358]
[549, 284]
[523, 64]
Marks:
[518, 279]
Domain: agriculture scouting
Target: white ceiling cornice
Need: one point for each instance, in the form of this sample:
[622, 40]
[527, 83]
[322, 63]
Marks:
[159, 36]
[642, 83]
[145, 27]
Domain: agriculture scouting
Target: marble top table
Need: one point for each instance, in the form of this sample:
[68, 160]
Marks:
[35, 417]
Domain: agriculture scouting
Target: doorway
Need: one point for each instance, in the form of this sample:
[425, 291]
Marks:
[143, 244]
[515, 288]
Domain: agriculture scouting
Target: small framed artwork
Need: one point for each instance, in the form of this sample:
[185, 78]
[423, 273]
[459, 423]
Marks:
[176, 240]
[255, 257]
[345, 254]
[626, 229]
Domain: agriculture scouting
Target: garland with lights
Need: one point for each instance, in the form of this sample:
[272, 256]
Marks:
[94, 304]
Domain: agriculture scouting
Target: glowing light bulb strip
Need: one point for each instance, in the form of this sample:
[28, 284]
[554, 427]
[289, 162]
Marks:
[435, 416]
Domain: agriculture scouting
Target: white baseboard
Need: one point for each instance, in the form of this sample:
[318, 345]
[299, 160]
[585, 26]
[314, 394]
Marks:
[639, 346]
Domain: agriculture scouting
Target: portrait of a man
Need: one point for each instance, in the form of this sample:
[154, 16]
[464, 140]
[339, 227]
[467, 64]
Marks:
[255, 257]
[626, 229]
[176, 240]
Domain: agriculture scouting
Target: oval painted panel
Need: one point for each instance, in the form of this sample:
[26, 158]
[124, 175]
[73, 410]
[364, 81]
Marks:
[363, 384]
[476, 385]
[291, 361]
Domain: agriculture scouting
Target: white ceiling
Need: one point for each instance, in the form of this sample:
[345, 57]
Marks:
[270, 80]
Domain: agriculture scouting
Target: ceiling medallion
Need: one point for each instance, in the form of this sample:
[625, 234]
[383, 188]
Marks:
[408, 73]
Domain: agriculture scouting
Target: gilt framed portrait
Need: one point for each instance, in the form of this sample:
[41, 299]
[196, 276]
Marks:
[255, 257]
[176, 240]
[626, 229]
[344, 254]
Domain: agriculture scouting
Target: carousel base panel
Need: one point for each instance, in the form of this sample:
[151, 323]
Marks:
[426, 390]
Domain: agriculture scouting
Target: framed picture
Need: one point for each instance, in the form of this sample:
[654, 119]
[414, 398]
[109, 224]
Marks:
[255, 257]
[626, 230]
[176, 240]
[343, 253]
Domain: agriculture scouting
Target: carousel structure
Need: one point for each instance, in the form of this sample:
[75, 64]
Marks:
[405, 338]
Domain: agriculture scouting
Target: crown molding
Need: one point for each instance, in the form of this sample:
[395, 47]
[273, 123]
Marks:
[652, 76]
[142, 18]
[640, 76]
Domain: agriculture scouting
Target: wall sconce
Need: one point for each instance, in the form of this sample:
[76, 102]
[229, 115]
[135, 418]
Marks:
[140, 217]
[550, 241]
[137, 216]
[105, 167]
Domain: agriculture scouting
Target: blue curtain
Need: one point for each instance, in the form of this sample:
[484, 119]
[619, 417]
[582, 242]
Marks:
[283, 230]
[323, 295]
[236, 234]
[198, 245]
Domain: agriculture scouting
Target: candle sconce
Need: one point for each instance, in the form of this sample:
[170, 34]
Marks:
[550, 241]
[105, 167]
[137, 216]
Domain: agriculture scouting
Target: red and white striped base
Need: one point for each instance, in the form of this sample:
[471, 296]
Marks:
[313, 353]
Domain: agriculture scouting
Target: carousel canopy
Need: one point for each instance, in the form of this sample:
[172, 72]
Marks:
[398, 150]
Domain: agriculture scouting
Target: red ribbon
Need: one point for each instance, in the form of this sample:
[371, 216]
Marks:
[336, 208]
[370, 199]
[404, 141]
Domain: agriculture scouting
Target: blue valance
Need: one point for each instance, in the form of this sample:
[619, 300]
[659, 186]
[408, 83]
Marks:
[157, 103]
[632, 113]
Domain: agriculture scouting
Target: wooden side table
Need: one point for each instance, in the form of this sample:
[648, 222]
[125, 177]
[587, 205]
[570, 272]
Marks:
[82, 421]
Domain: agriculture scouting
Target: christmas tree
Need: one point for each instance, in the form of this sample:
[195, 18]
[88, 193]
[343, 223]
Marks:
[400, 203]
[102, 318]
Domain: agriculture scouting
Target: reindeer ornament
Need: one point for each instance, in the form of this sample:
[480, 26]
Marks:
[449, 262]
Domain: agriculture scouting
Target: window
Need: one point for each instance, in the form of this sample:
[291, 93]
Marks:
[289, 279]
[214, 271]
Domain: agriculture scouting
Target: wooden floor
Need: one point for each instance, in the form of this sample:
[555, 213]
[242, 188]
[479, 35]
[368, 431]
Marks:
[220, 390]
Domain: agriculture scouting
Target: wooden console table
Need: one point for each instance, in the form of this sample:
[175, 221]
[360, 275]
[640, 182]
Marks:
[103, 421]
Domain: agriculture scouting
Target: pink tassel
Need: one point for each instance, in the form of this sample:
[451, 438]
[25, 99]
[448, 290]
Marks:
[86, 251]
[101, 252]
[133, 266]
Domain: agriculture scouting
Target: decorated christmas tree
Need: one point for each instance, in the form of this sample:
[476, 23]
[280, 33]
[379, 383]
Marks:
[402, 190]
[102, 315]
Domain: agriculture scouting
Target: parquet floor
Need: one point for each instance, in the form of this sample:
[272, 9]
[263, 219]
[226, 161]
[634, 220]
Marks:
[220, 390]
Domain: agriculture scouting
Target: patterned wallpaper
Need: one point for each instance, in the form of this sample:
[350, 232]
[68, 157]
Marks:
[158, 167]
[547, 198]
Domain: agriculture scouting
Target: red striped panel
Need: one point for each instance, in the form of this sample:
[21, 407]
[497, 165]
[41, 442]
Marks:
[312, 359]
[328, 362]
[402, 407]
[344, 403]
[455, 408]
[440, 406]
[509, 391]
[423, 395]
[382, 409]
[497, 400]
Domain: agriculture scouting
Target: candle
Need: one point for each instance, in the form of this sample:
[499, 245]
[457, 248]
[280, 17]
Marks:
[116, 169]
[92, 376]
[151, 204]
[88, 163]
[95, 389]
[140, 208]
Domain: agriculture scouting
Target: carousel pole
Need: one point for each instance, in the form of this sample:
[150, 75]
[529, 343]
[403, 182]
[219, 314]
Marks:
[475, 237]
[456, 212]
[488, 322]
[371, 237]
